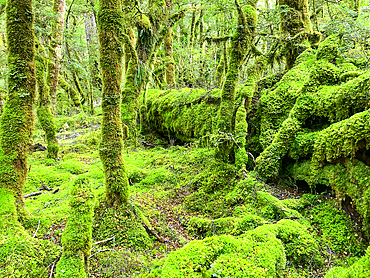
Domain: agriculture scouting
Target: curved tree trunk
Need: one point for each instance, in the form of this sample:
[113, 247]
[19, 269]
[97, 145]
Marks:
[110, 19]
[18, 118]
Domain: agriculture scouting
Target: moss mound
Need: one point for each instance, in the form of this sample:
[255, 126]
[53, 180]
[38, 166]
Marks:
[124, 223]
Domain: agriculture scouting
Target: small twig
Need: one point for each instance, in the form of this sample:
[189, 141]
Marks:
[55, 191]
[32, 194]
[38, 226]
[105, 240]
[52, 270]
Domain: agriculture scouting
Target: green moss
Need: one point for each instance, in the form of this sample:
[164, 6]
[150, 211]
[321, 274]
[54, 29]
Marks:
[73, 94]
[320, 96]
[21, 255]
[110, 19]
[77, 236]
[73, 166]
[301, 247]
[337, 229]
[185, 114]
[227, 256]
[360, 269]
[17, 118]
[329, 49]
[240, 43]
[203, 227]
[125, 223]
[221, 67]
[348, 178]
[44, 114]
[130, 95]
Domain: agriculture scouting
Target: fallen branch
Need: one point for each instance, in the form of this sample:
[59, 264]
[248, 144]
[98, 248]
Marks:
[105, 240]
[32, 194]
[38, 226]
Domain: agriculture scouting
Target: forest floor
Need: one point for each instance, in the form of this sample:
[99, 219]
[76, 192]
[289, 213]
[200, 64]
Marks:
[174, 188]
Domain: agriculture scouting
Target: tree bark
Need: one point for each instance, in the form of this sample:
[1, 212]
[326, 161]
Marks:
[17, 120]
[170, 62]
[55, 51]
[44, 114]
[110, 19]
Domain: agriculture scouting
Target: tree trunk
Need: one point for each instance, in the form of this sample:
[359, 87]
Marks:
[77, 236]
[55, 51]
[18, 118]
[130, 96]
[294, 20]
[92, 47]
[110, 19]
[170, 62]
[44, 114]
[240, 42]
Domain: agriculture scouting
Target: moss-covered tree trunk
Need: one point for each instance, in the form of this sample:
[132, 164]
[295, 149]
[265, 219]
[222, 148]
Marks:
[77, 236]
[55, 50]
[92, 47]
[44, 114]
[294, 20]
[130, 95]
[240, 43]
[110, 23]
[17, 120]
[73, 94]
[222, 67]
[170, 62]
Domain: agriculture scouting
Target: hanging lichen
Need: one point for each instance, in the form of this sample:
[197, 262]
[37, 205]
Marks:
[44, 114]
[110, 19]
[18, 118]
[77, 236]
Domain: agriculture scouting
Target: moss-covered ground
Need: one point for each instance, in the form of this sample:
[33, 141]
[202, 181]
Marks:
[188, 216]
